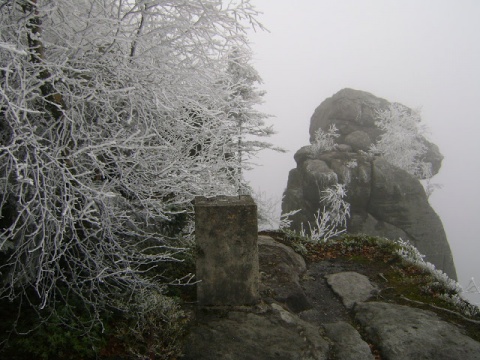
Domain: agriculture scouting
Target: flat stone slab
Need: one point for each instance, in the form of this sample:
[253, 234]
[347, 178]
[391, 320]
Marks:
[348, 344]
[404, 333]
[351, 287]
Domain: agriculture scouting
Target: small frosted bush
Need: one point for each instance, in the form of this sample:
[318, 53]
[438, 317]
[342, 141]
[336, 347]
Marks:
[332, 221]
[325, 141]
[452, 289]
[401, 143]
[153, 326]
[411, 254]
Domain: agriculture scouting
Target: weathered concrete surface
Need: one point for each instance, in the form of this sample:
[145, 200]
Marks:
[404, 333]
[351, 286]
[226, 233]
[348, 344]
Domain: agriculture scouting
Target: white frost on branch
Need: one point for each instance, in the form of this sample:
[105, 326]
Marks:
[119, 116]
[403, 144]
[12, 48]
[325, 140]
[331, 220]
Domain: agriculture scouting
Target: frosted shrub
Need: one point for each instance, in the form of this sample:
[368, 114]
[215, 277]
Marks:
[325, 141]
[332, 221]
[322, 229]
[114, 115]
[352, 164]
[401, 142]
[285, 219]
[450, 289]
[153, 326]
[339, 209]
[465, 307]
[411, 254]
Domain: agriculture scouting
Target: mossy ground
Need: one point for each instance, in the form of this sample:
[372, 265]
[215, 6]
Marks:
[398, 280]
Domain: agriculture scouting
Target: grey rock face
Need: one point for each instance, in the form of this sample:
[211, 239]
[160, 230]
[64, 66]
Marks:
[280, 271]
[384, 200]
[349, 110]
[358, 140]
[398, 199]
[404, 333]
[348, 344]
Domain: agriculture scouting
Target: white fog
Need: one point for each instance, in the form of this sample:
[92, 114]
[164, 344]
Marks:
[421, 54]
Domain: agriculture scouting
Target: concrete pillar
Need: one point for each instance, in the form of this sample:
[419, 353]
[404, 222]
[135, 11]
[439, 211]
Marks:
[226, 233]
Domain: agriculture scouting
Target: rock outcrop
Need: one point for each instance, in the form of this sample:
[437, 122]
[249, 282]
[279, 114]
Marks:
[384, 199]
[354, 113]
[342, 316]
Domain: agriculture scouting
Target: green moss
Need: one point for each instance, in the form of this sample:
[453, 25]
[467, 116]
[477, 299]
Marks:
[151, 325]
[60, 333]
[400, 280]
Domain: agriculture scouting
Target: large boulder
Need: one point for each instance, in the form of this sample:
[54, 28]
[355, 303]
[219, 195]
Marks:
[384, 199]
[280, 272]
[350, 111]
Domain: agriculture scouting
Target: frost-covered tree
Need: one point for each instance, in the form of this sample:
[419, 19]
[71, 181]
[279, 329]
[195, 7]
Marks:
[402, 142]
[114, 115]
[241, 82]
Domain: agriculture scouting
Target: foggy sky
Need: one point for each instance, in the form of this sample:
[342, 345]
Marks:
[420, 53]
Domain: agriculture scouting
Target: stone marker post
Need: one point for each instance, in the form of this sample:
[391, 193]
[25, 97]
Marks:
[226, 233]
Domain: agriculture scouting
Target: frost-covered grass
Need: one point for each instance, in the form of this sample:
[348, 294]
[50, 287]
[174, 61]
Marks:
[396, 264]
[450, 290]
